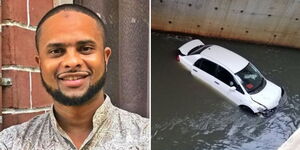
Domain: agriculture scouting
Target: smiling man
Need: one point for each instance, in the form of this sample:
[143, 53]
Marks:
[72, 56]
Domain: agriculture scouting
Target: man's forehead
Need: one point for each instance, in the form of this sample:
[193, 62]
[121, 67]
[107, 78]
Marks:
[70, 14]
[66, 26]
[68, 18]
[66, 15]
[70, 22]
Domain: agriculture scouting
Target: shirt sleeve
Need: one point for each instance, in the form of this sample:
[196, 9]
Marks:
[7, 138]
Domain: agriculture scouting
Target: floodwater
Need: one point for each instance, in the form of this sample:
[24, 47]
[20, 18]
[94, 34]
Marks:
[188, 115]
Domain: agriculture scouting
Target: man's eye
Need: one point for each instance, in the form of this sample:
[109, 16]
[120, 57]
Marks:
[86, 49]
[56, 52]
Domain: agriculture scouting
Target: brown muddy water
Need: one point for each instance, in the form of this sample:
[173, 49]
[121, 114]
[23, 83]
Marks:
[187, 115]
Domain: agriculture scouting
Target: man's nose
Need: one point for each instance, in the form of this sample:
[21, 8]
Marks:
[72, 59]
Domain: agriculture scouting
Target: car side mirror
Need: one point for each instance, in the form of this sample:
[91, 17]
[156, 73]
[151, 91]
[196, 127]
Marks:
[232, 88]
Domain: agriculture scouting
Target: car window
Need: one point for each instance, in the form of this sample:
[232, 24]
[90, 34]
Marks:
[206, 66]
[226, 77]
[218, 72]
[198, 49]
[251, 79]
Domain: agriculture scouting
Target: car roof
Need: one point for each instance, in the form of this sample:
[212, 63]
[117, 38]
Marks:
[225, 57]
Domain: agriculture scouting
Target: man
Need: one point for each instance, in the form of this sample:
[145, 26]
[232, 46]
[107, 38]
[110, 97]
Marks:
[72, 56]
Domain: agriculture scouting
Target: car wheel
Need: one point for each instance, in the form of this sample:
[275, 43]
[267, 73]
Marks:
[246, 109]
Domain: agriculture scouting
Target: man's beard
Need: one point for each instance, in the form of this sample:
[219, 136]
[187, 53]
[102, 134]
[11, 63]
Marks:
[78, 100]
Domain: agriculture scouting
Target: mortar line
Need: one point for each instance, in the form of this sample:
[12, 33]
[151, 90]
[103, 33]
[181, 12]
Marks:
[25, 111]
[18, 24]
[20, 68]
[30, 89]
[28, 13]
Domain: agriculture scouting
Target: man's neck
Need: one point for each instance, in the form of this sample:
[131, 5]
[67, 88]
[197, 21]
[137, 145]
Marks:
[77, 121]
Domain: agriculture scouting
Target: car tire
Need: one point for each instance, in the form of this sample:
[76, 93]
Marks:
[246, 109]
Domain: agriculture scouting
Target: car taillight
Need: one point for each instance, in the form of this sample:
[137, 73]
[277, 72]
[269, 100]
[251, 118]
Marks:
[177, 57]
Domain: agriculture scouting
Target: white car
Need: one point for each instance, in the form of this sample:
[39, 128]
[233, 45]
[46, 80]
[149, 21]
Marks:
[231, 75]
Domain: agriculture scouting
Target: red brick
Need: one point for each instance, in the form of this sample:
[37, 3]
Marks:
[40, 98]
[18, 46]
[14, 10]
[13, 119]
[17, 95]
[38, 8]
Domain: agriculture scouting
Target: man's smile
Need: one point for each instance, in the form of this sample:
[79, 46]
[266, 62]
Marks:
[73, 79]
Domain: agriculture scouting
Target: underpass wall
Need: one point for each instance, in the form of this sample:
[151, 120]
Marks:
[275, 22]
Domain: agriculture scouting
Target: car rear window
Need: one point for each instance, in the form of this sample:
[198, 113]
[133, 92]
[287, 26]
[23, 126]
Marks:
[198, 49]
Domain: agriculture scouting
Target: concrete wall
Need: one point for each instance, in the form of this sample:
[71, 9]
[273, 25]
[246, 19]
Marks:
[264, 21]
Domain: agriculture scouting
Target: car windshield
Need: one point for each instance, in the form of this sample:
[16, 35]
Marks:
[251, 79]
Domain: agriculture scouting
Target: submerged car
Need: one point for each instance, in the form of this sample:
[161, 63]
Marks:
[231, 75]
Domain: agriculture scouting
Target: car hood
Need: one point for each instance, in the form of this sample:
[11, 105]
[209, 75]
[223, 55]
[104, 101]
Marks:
[269, 96]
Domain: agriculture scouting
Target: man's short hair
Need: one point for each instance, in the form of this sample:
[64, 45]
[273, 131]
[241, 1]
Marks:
[69, 7]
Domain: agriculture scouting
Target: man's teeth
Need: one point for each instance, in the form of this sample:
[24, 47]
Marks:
[72, 78]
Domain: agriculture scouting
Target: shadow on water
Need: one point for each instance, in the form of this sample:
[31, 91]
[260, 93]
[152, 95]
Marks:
[187, 115]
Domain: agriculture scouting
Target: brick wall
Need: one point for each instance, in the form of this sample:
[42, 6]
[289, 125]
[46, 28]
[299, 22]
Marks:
[26, 97]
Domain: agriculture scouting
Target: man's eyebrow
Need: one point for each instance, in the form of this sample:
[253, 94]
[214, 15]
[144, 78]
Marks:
[50, 45]
[84, 42]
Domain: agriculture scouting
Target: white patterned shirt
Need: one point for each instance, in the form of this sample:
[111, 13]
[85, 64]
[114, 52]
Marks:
[113, 129]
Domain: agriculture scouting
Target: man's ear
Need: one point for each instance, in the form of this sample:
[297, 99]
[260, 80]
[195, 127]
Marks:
[107, 53]
[37, 59]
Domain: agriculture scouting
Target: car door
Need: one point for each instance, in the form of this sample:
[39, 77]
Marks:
[228, 86]
[204, 70]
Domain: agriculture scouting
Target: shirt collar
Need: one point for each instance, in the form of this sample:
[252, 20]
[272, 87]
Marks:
[103, 112]
[99, 117]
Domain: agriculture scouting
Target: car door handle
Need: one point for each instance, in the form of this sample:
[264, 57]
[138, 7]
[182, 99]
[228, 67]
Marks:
[217, 82]
[195, 70]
